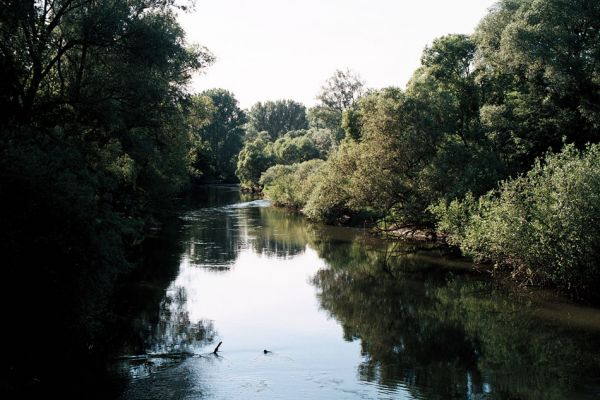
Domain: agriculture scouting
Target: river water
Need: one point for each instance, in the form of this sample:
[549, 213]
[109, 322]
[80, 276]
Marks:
[342, 315]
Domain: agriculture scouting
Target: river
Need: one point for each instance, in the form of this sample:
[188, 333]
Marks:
[341, 315]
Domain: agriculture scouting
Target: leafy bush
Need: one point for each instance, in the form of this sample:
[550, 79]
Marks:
[291, 185]
[543, 225]
[290, 150]
[252, 161]
[329, 200]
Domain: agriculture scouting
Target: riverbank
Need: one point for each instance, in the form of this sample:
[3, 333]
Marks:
[429, 236]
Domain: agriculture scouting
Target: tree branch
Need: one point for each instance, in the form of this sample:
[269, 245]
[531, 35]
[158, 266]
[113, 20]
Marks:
[217, 348]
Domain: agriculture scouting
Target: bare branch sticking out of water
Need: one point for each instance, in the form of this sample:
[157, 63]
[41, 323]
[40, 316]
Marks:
[217, 348]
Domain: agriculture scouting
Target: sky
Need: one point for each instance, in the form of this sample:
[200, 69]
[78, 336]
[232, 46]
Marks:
[286, 49]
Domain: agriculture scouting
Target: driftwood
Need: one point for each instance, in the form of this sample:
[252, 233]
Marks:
[217, 348]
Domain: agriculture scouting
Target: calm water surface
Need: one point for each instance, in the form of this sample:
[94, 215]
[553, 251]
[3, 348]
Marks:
[343, 316]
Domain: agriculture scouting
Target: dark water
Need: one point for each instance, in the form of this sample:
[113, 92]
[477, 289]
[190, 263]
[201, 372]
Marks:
[343, 315]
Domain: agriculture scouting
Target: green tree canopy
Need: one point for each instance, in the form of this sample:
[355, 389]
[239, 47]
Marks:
[538, 64]
[94, 150]
[254, 159]
[542, 225]
[341, 90]
[291, 150]
[220, 140]
[338, 94]
[277, 117]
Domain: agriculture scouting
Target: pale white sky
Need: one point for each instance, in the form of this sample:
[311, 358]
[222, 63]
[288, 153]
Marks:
[286, 49]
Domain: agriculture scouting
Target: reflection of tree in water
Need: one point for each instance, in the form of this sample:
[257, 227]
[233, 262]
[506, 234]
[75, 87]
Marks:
[447, 335]
[165, 339]
[215, 236]
[213, 227]
[151, 316]
[279, 233]
[216, 196]
[212, 237]
[170, 330]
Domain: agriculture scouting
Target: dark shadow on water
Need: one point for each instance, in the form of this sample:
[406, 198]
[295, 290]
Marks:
[151, 331]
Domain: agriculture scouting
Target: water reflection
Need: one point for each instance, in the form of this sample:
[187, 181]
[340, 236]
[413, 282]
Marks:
[165, 338]
[388, 321]
[214, 236]
[152, 330]
[448, 335]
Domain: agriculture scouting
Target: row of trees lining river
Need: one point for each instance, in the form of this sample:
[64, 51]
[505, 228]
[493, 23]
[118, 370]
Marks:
[494, 143]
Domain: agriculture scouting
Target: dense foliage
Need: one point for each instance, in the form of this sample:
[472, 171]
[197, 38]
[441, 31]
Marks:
[217, 131]
[254, 159]
[277, 118]
[294, 147]
[290, 185]
[494, 141]
[284, 133]
[94, 146]
[543, 225]
[478, 111]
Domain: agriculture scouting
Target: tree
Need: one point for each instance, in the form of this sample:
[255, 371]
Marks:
[341, 90]
[47, 48]
[449, 61]
[538, 63]
[254, 159]
[351, 123]
[200, 112]
[338, 94]
[94, 150]
[329, 198]
[321, 117]
[396, 145]
[291, 185]
[542, 225]
[221, 138]
[323, 140]
[290, 150]
[277, 117]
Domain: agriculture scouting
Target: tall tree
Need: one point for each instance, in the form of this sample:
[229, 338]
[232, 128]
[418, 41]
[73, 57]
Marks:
[253, 160]
[338, 94]
[221, 138]
[341, 90]
[277, 117]
[539, 64]
[449, 61]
